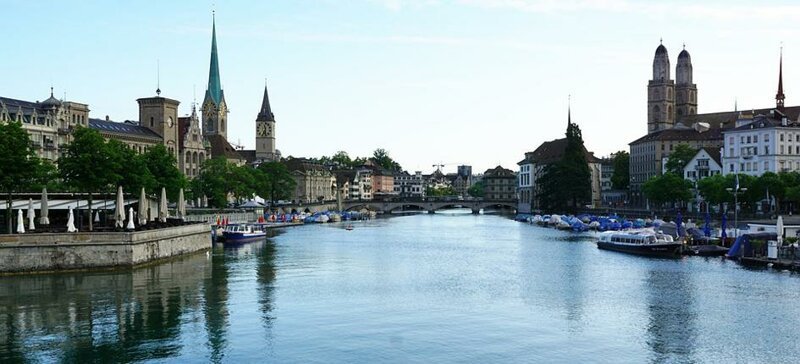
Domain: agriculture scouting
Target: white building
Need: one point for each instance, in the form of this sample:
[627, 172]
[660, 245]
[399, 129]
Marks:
[705, 163]
[409, 185]
[361, 188]
[762, 143]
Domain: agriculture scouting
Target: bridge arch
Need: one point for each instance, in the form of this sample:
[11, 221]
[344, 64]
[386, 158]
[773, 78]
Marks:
[399, 206]
[365, 205]
[509, 205]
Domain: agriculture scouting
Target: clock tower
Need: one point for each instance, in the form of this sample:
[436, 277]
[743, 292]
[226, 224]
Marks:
[265, 132]
[160, 115]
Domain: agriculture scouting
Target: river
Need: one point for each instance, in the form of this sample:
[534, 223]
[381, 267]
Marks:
[447, 287]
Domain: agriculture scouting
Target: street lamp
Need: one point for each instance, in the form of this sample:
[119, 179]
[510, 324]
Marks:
[736, 191]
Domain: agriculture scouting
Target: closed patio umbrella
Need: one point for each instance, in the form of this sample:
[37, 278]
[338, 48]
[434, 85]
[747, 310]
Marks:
[163, 213]
[779, 229]
[44, 219]
[31, 215]
[143, 205]
[71, 222]
[181, 205]
[130, 226]
[678, 224]
[20, 223]
[707, 226]
[724, 227]
[119, 213]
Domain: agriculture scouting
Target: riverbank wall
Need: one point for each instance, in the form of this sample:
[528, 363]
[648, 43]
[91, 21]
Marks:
[28, 253]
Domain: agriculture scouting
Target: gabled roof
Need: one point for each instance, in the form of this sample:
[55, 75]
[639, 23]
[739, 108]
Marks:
[124, 128]
[553, 151]
[498, 172]
[727, 119]
[764, 121]
[680, 134]
[713, 153]
[221, 148]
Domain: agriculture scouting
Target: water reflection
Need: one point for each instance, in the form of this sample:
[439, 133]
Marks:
[671, 328]
[100, 316]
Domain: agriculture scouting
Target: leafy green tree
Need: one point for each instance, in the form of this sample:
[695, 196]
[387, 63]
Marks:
[163, 167]
[679, 157]
[566, 184]
[440, 191]
[276, 182]
[243, 181]
[213, 182]
[19, 166]
[622, 175]
[713, 189]
[342, 159]
[382, 158]
[131, 168]
[668, 187]
[88, 165]
[477, 189]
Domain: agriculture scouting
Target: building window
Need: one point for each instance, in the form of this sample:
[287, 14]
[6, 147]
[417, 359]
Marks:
[766, 137]
[152, 123]
[766, 166]
[766, 149]
[781, 137]
[755, 138]
[749, 140]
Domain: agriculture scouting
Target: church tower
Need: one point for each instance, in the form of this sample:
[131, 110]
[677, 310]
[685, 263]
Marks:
[214, 109]
[685, 90]
[780, 97]
[265, 131]
[660, 94]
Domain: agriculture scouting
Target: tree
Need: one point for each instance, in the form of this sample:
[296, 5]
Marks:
[19, 166]
[213, 181]
[163, 167]
[668, 187]
[382, 158]
[566, 184]
[440, 191]
[276, 182]
[478, 189]
[679, 157]
[131, 168]
[88, 164]
[622, 175]
[342, 159]
[713, 189]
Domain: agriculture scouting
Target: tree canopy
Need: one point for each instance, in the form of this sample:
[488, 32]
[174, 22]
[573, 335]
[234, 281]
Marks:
[276, 182]
[668, 187]
[622, 175]
[19, 166]
[566, 185]
[382, 158]
[679, 157]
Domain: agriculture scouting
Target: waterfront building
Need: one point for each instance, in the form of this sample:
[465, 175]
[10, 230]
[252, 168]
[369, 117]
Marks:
[666, 129]
[409, 185]
[705, 163]
[361, 187]
[500, 184]
[382, 182]
[762, 143]
[314, 182]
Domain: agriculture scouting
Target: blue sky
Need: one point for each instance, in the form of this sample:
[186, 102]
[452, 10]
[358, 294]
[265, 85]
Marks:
[452, 81]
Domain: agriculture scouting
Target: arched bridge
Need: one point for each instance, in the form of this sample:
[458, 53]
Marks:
[428, 204]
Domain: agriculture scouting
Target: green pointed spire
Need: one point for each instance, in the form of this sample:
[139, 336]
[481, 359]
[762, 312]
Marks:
[214, 85]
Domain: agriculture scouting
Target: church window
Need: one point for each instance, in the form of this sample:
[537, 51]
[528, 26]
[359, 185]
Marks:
[669, 93]
[152, 122]
[669, 112]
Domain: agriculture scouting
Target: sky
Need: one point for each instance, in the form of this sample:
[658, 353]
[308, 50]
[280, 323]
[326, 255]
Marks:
[476, 82]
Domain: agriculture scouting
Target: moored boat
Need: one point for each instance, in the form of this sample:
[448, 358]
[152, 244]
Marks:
[641, 242]
[243, 233]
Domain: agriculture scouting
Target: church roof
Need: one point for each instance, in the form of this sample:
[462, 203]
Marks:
[123, 129]
[661, 49]
[249, 155]
[214, 84]
[553, 151]
[727, 119]
[266, 111]
[684, 55]
[220, 147]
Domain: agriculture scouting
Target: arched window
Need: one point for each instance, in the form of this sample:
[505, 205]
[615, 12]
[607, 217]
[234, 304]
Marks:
[669, 112]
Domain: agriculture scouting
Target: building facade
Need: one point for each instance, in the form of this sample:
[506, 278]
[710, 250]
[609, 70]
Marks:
[409, 185]
[500, 184]
[762, 143]
[313, 182]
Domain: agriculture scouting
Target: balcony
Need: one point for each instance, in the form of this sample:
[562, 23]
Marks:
[49, 146]
[701, 168]
[65, 131]
[36, 145]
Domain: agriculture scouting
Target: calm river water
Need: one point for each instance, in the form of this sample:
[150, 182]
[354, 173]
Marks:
[449, 287]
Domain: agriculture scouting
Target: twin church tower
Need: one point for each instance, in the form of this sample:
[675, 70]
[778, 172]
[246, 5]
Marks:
[215, 113]
[669, 100]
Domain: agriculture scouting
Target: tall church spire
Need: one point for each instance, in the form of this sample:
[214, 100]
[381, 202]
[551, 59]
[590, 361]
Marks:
[214, 86]
[779, 97]
[265, 114]
[569, 112]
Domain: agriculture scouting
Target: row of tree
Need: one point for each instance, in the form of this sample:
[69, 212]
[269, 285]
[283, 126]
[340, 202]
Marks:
[380, 157]
[219, 179]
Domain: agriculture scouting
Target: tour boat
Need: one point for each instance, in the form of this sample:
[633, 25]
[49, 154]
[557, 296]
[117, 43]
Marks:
[641, 242]
[242, 233]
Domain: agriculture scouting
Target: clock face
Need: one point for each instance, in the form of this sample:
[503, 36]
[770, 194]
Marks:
[261, 130]
[170, 122]
[269, 129]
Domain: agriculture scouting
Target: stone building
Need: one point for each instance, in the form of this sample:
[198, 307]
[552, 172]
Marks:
[314, 182]
[500, 184]
[409, 185]
[672, 119]
[194, 148]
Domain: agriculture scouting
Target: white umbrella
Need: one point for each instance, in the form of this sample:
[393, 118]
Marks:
[163, 213]
[97, 216]
[142, 208]
[779, 228]
[44, 220]
[71, 222]
[31, 215]
[130, 219]
[181, 205]
[205, 201]
[20, 223]
[119, 214]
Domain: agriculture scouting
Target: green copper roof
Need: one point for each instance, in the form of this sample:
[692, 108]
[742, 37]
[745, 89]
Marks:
[214, 87]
